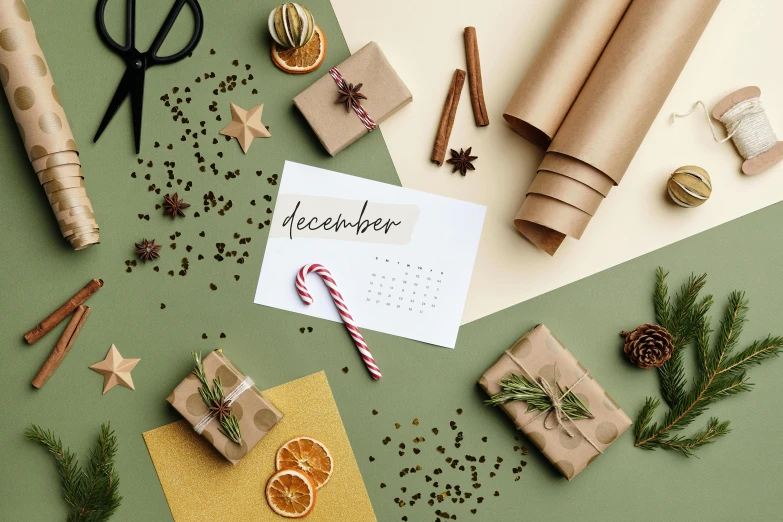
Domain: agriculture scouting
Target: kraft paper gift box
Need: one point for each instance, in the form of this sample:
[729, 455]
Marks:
[257, 416]
[540, 355]
[337, 127]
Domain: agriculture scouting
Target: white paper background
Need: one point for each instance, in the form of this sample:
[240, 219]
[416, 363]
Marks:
[424, 43]
[445, 238]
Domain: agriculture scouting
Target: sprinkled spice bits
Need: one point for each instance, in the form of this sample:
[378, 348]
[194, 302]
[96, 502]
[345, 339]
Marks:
[454, 488]
[167, 177]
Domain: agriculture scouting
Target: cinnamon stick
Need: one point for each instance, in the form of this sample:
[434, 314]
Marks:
[64, 311]
[447, 118]
[63, 345]
[476, 86]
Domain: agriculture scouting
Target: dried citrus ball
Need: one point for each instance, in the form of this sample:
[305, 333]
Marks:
[291, 25]
[689, 186]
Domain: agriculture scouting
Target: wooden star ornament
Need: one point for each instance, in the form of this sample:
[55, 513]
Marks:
[115, 370]
[246, 125]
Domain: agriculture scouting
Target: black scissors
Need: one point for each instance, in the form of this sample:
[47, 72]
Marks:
[132, 82]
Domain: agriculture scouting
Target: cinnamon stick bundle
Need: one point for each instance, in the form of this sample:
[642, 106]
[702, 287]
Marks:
[45, 326]
[475, 84]
[447, 118]
[63, 346]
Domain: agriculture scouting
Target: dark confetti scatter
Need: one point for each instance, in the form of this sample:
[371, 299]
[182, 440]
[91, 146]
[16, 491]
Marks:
[222, 335]
[459, 411]
[372, 459]
[483, 439]
[375, 412]
[212, 286]
[309, 328]
[397, 425]
[203, 336]
[236, 277]
[435, 431]
[162, 306]
[345, 370]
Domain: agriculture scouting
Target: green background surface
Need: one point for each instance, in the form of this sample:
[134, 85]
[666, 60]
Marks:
[737, 478]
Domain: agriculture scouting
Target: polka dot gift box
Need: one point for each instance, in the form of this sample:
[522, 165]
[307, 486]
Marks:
[256, 415]
[570, 444]
[43, 127]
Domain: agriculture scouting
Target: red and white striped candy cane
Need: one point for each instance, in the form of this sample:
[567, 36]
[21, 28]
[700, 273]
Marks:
[341, 308]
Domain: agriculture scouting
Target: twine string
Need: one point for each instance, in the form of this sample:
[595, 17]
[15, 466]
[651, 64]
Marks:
[556, 398]
[368, 122]
[746, 124]
[243, 386]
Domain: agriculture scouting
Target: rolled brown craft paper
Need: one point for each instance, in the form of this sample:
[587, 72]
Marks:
[64, 311]
[577, 170]
[561, 67]
[447, 118]
[63, 346]
[616, 107]
[40, 118]
[475, 83]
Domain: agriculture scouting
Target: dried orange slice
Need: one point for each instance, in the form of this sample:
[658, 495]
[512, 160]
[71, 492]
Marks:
[290, 493]
[309, 456]
[301, 59]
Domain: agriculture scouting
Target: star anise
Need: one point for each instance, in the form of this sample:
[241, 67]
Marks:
[220, 408]
[350, 95]
[147, 250]
[174, 206]
[462, 161]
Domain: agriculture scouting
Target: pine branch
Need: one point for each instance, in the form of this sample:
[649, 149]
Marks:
[721, 372]
[686, 445]
[71, 475]
[213, 396]
[92, 494]
[661, 300]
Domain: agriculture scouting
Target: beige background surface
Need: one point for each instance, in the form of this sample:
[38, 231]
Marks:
[636, 218]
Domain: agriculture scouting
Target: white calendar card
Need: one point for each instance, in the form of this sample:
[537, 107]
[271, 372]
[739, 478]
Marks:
[402, 259]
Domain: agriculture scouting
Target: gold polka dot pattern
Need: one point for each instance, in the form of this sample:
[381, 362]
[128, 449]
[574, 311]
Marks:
[256, 415]
[544, 356]
[43, 126]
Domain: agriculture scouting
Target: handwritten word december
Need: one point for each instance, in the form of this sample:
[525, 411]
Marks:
[361, 225]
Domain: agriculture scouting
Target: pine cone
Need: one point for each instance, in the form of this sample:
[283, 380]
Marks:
[648, 346]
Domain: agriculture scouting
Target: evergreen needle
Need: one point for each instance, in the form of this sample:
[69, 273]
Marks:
[229, 424]
[92, 493]
[519, 388]
[721, 372]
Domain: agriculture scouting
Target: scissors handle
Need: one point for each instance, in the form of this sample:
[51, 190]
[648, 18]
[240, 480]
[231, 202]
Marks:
[151, 55]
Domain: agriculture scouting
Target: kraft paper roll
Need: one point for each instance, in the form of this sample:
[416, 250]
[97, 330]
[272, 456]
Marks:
[44, 129]
[615, 108]
[561, 68]
[578, 170]
[566, 190]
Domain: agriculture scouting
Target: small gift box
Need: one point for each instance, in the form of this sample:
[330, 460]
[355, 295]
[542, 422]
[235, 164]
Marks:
[338, 124]
[565, 412]
[237, 410]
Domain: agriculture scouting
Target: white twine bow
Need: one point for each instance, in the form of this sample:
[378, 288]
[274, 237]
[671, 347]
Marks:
[243, 386]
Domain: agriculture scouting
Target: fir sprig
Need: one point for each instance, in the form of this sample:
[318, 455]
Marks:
[519, 388]
[92, 492]
[721, 371]
[212, 397]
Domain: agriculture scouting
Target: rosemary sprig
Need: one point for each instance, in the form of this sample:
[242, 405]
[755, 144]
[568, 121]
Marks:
[213, 397]
[92, 493]
[519, 388]
[722, 372]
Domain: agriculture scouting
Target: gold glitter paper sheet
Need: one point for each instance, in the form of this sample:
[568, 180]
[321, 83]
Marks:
[200, 484]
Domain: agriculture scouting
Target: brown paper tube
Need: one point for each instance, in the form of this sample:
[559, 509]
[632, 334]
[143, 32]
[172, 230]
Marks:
[475, 84]
[63, 346]
[631, 81]
[556, 215]
[447, 118]
[35, 103]
[578, 170]
[64, 311]
[566, 190]
[561, 67]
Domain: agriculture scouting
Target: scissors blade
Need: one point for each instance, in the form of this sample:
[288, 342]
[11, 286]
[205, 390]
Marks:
[119, 96]
[137, 103]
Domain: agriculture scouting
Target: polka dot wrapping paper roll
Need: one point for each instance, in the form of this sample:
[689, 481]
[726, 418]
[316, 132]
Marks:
[43, 126]
[256, 414]
[574, 444]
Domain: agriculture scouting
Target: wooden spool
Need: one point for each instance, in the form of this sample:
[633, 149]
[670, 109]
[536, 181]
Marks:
[764, 160]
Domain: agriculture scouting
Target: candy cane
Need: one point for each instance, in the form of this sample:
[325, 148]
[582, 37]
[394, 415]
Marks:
[341, 308]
